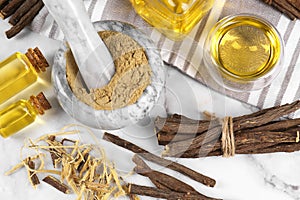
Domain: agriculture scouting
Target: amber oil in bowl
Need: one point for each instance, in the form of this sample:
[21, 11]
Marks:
[245, 50]
[174, 18]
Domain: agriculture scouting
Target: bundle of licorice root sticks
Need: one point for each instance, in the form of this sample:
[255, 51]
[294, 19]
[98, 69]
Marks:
[290, 8]
[265, 131]
[21, 13]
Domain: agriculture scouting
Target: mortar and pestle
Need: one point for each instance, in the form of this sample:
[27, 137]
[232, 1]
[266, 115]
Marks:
[96, 66]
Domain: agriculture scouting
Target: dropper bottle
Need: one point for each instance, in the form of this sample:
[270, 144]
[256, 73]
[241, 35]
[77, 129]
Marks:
[21, 114]
[19, 71]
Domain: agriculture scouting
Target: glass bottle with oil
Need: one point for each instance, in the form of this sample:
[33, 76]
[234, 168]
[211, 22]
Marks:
[21, 114]
[19, 71]
[245, 50]
[174, 18]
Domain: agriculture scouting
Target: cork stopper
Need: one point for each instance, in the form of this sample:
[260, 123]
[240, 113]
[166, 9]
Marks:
[40, 103]
[37, 59]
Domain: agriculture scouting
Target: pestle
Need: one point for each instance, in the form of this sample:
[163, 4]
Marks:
[94, 61]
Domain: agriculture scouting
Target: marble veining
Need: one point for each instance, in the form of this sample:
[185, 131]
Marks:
[273, 180]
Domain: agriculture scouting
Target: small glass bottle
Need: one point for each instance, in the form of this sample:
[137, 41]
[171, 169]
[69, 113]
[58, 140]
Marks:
[19, 71]
[22, 113]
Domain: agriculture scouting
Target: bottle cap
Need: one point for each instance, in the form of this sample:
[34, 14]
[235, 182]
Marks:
[40, 102]
[37, 59]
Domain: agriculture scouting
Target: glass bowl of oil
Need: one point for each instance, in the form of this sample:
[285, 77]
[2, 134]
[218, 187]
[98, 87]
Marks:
[174, 18]
[243, 52]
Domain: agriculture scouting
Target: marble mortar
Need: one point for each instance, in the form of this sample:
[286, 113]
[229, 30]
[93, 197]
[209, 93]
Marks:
[119, 118]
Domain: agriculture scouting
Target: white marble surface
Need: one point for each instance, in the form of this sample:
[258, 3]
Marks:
[253, 177]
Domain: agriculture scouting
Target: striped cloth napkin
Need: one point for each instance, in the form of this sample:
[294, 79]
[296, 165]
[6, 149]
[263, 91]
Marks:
[187, 54]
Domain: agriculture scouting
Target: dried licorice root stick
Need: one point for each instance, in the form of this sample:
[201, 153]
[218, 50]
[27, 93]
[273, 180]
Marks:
[34, 180]
[289, 7]
[188, 127]
[294, 9]
[3, 3]
[25, 20]
[164, 138]
[256, 149]
[10, 8]
[53, 153]
[264, 116]
[163, 179]
[288, 148]
[158, 160]
[164, 194]
[295, 3]
[284, 11]
[283, 125]
[22, 10]
[54, 182]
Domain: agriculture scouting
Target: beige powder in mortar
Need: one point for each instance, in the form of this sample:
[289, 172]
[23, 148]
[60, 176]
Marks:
[132, 76]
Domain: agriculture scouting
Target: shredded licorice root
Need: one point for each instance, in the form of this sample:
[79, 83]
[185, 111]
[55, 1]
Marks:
[88, 177]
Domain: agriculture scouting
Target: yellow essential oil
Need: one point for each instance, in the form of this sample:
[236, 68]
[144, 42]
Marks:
[174, 18]
[21, 114]
[19, 71]
[245, 48]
